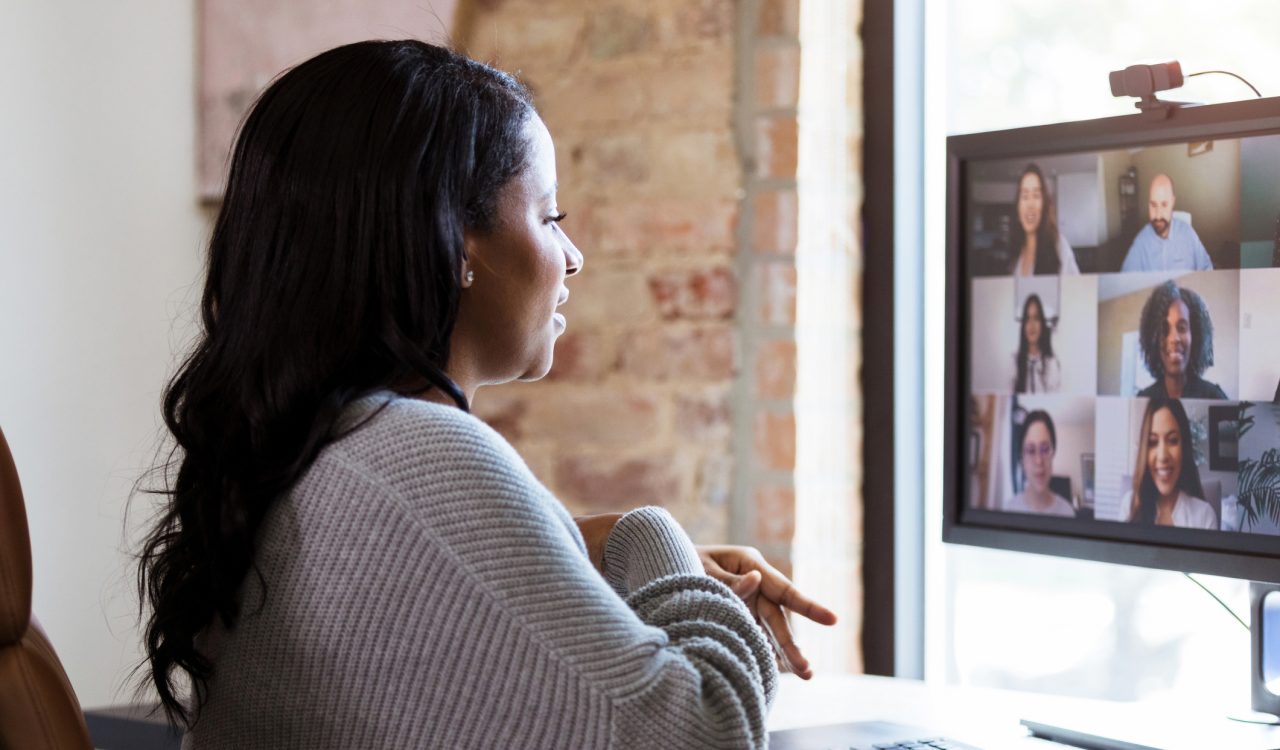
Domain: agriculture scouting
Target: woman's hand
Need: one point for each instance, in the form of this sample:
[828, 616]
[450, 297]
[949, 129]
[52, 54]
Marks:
[768, 594]
[595, 532]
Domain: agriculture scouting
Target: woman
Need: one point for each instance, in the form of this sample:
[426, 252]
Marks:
[1166, 484]
[1036, 370]
[1177, 344]
[1042, 249]
[347, 557]
[1038, 442]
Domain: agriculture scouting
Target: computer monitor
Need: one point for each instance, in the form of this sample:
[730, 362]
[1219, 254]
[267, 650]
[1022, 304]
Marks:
[1113, 349]
[1113, 340]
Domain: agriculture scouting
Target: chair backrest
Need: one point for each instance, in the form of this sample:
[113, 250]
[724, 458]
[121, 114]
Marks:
[38, 707]
[1212, 487]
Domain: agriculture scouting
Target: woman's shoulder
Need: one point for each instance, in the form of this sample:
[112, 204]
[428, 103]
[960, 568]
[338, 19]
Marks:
[1200, 388]
[1066, 256]
[384, 415]
[1062, 506]
[406, 437]
[1153, 390]
[1198, 513]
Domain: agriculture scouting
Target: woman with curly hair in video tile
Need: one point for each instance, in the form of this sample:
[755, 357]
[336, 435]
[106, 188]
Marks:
[1177, 344]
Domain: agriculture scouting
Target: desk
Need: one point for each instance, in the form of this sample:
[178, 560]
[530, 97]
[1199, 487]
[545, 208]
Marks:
[989, 718]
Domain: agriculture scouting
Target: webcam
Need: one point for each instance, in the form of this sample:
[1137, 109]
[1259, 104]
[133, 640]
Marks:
[1143, 81]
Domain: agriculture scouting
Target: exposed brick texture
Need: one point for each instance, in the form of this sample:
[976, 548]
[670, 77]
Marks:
[777, 75]
[639, 98]
[778, 293]
[775, 440]
[778, 18]
[677, 164]
[776, 144]
[775, 369]
[699, 293]
[773, 221]
[775, 508]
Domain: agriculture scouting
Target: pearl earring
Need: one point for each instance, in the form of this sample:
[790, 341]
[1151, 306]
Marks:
[470, 277]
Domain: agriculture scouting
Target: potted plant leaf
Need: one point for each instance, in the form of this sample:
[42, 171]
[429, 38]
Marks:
[1258, 494]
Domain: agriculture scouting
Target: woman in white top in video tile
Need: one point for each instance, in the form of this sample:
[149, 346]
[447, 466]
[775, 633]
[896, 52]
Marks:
[1039, 441]
[1042, 249]
[1166, 485]
[1036, 370]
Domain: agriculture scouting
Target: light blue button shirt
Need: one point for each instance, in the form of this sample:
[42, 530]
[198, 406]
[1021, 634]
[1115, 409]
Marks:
[1183, 251]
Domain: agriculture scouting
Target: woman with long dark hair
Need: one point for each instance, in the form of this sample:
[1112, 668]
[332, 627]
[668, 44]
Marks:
[1166, 483]
[347, 557]
[1036, 369]
[1040, 247]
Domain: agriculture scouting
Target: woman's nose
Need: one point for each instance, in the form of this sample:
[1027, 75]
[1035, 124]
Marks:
[573, 257]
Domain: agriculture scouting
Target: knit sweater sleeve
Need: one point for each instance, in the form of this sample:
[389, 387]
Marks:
[659, 655]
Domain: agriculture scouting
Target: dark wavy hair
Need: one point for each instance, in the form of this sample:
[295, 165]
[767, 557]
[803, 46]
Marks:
[1046, 342]
[1153, 325]
[1041, 416]
[334, 270]
[1145, 494]
[1046, 232]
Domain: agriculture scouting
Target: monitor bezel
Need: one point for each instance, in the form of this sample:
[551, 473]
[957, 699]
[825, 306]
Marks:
[1183, 551]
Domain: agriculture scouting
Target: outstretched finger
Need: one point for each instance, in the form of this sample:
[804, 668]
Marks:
[779, 589]
[774, 619]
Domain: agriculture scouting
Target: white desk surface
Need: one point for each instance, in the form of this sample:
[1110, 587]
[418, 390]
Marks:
[990, 718]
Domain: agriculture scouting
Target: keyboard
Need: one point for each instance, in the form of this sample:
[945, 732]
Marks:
[863, 735]
[935, 743]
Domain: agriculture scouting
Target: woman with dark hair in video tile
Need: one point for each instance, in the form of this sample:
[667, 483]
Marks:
[1036, 370]
[1177, 344]
[1042, 249]
[1039, 442]
[1166, 483]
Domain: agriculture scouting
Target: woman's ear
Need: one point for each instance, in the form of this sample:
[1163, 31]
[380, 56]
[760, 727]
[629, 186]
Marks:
[468, 253]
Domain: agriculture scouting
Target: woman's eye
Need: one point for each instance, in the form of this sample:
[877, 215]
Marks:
[557, 218]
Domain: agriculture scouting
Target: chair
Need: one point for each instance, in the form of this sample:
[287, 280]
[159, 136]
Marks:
[38, 707]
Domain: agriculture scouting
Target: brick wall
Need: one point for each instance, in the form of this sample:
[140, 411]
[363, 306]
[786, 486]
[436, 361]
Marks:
[673, 384]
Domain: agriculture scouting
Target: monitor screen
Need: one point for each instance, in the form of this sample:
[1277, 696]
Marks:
[1114, 340]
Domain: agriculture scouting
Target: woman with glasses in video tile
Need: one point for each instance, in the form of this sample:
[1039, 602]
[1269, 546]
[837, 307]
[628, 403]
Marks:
[1166, 483]
[1177, 344]
[1039, 442]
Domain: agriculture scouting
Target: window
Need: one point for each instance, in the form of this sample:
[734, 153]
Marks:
[1048, 624]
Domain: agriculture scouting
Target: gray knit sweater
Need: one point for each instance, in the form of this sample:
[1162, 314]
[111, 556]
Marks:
[422, 589]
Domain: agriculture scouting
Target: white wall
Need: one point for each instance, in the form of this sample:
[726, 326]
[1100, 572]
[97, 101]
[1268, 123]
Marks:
[994, 336]
[100, 245]
[1259, 332]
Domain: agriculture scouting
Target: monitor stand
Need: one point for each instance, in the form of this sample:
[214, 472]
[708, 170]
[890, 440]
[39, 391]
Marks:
[1142, 728]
